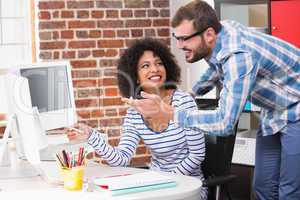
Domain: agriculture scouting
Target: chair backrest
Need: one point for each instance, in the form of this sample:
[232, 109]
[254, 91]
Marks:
[218, 155]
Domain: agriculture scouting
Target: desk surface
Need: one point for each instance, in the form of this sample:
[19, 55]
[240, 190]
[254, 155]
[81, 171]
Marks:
[187, 187]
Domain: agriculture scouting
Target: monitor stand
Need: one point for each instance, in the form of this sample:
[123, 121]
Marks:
[23, 169]
[11, 166]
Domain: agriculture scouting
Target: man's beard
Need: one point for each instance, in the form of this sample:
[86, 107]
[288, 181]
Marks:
[202, 52]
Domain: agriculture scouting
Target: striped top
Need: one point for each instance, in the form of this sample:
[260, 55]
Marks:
[250, 66]
[176, 149]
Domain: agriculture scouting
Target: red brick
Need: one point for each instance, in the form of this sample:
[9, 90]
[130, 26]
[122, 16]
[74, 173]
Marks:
[68, 54]
[112, 13]
[110, 72]
[96, 92]
[111, 53]
[138, 23]
[109, 4]
[84, 63]
[45, 55]
[136, 33]
[113, 133]
[83, 93]
[107, 82]
[161, 22]
[80, 4]
[160, 3]
[85, 103]
[149, 32]
[52, 45]
[51, 5]
[67, 34]
[153, 13]
[110, 122]
[83, 14]
[55, 35]
[81, 24]
[112, 142]
[95, 73]
[91, 123]
[140, 13]
[44, 15]
[80, 73]
[67, 14]
[108, 63]
[111, 112]
[111, 92]
[84, 83]
[56, 55]
[82, 34]
[85, 114]
[98, 53]
[110, 24]
[55, 14]
[109, 34]
[110, 43]
[84, 54]
[110, 102]
[82, 44]
[97, 14]
[126, 13]
[122, 33]
[45, 35]
[97, 113]
[94, 34]
[52, 25]
[137, 4]
[163, 32]
[122, 111]
[164, 13]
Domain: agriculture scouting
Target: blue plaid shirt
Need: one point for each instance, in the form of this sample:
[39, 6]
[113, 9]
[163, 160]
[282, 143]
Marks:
[250, 66]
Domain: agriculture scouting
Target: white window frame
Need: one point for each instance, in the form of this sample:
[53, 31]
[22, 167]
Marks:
[20, 51]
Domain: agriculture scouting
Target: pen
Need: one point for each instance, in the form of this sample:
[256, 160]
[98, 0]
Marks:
[76, 129]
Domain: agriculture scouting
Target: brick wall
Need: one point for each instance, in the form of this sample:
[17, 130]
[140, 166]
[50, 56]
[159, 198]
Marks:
[92, 35]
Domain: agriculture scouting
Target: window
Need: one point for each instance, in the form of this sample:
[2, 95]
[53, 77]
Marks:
[15, 32]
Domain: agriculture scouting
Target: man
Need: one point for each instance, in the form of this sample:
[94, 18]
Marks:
[250, 66]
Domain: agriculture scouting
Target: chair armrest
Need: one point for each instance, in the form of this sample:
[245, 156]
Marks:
[219, 180]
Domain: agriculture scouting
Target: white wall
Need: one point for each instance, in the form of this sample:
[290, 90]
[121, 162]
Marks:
[190, 71]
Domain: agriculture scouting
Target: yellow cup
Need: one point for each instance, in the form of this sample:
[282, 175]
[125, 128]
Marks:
[73, 177]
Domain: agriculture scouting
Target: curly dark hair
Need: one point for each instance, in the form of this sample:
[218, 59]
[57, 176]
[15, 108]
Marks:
[128, 66]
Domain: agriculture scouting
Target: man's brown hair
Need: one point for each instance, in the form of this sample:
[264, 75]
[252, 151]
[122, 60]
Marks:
[203, 15]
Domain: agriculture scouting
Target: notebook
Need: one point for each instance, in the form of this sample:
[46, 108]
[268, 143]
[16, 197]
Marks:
[126, 181]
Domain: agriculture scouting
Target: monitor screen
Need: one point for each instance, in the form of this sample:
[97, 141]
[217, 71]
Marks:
[48, 87]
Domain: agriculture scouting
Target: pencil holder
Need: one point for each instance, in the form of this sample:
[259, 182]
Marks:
[73, 177]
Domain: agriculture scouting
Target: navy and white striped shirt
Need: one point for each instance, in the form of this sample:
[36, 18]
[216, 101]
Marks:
[176, 149]
[251, 66]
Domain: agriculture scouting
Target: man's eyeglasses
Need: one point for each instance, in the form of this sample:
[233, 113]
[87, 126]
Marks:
[185, 38]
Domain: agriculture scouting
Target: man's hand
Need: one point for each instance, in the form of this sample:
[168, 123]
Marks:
[152, 106]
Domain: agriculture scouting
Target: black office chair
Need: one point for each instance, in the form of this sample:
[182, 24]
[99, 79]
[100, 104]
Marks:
[217, 164]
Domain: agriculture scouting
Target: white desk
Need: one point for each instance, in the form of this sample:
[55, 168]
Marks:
[188, 188]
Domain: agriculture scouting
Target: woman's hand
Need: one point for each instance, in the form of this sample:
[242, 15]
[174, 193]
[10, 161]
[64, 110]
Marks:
[79, 132]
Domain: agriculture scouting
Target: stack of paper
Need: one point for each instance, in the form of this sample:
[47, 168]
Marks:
[129, 183]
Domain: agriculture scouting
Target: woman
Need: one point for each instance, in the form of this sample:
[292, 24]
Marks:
[149, 66]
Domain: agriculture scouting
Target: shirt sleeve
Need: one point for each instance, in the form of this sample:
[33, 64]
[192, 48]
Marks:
[207, 81]
[119, 155]
[239, 78]
[195, 141]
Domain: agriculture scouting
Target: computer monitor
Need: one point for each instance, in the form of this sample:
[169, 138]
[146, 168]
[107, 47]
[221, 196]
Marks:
[23, 130]
[51, 91]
